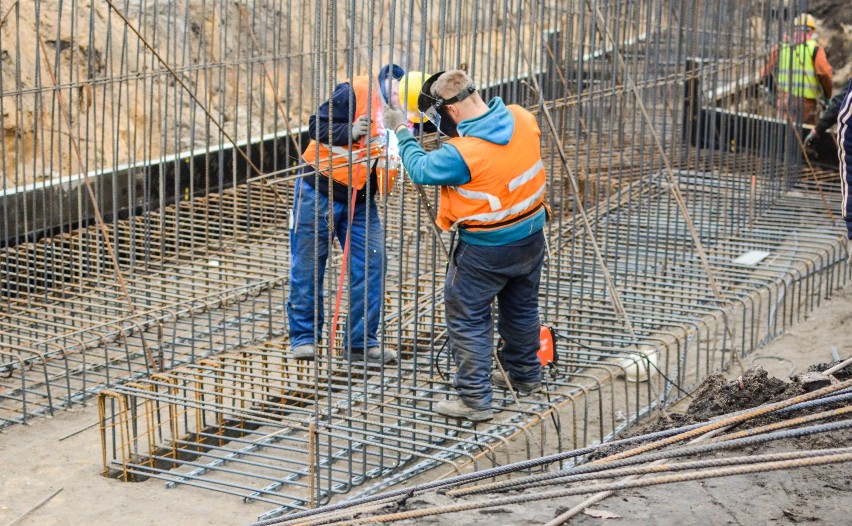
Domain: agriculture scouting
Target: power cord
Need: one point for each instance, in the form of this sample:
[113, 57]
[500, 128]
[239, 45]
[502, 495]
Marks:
[597, 349]
[443, 376]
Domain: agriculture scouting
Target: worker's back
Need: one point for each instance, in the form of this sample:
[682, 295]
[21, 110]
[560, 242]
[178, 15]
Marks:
[796, 71]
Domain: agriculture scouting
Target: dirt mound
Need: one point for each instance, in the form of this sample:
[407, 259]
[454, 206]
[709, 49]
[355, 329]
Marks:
[107, 72]
[718, 396]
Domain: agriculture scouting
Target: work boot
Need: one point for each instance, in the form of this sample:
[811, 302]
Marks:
[375, 355]
[523, 388]
[459, 409]
[305, 351]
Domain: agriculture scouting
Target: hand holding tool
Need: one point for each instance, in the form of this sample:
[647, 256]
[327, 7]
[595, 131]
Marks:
[394, 118]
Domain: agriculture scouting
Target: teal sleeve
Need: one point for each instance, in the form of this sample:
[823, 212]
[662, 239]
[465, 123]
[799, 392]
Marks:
[444, 166]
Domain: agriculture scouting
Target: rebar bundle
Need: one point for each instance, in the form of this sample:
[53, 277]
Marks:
[633, 463]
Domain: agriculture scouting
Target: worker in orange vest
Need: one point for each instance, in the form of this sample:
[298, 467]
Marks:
[338, 190]
[492, 188]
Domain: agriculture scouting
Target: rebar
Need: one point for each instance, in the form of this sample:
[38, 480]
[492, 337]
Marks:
[149, 160]
[805, 459]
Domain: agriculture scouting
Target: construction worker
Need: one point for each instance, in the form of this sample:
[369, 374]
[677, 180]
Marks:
[802, 73]
[844, 153]
[492, 187]
[828, 118]
[336, 157]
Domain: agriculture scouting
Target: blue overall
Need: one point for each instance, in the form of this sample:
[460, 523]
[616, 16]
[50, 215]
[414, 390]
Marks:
[309, 239]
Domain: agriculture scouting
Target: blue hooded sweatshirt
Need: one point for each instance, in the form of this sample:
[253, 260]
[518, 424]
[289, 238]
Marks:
[446, 167]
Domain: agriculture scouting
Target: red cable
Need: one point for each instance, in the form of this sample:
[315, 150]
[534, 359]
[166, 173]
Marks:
[341, 276]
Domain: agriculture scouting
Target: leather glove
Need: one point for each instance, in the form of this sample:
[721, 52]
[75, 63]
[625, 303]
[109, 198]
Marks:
[360, 128]
[811, 137]
[394, 118]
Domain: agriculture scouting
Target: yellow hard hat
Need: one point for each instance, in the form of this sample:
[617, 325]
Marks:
[409, 90]
[805, 20]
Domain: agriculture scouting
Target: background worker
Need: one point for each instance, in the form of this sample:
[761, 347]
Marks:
[844, 153]
[802, 73]
[492, 186]
[339, 128]
[828, 118]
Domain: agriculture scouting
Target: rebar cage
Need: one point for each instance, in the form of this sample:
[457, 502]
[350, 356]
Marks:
[149, 159]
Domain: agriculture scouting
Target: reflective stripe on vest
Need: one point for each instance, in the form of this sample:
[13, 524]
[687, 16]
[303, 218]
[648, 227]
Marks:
[339, 150]
[507, 181]
[515, 209]
[526, 176]
[334, 160]
[796, 73]
[493, 200]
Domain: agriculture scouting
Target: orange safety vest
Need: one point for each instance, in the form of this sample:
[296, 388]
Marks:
[335, 159]
[507, 182]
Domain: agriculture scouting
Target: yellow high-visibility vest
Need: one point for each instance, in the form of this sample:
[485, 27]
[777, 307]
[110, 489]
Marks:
[796, 74]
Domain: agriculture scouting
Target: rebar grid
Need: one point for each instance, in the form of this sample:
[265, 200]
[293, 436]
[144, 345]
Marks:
[371, 424]
[127, 347]
[74, 325]
[664, 165]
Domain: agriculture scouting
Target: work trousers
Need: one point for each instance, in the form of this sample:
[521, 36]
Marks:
[309, 240]
[798, 109]
[476, 275]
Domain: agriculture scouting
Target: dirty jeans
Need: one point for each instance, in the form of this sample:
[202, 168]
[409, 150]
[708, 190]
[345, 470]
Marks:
[304, 297]
[475, 276]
